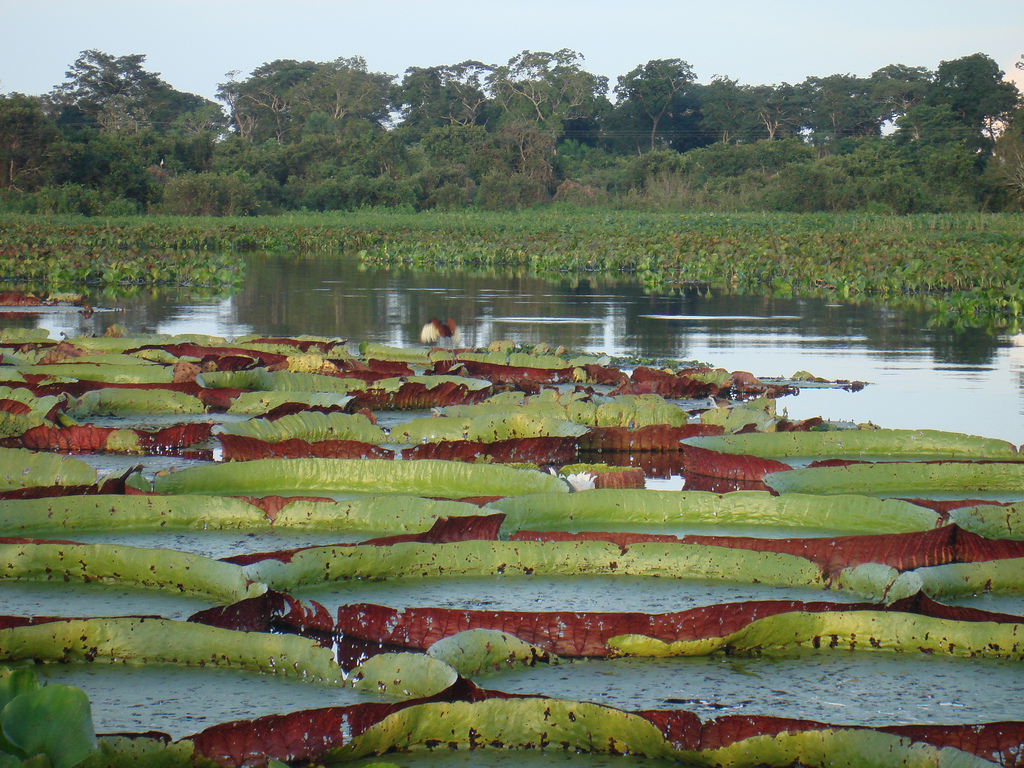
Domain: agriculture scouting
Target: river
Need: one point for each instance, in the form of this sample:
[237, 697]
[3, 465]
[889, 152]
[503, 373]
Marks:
[919, 377]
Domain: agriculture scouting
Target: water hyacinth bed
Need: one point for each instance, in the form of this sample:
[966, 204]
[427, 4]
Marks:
[293, 551]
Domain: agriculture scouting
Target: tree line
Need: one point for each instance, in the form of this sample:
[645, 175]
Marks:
[114, 138]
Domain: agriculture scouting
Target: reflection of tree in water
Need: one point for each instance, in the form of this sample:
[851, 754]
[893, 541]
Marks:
[336, 296]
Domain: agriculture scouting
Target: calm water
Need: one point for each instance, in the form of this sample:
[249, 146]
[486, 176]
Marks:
[921, 378]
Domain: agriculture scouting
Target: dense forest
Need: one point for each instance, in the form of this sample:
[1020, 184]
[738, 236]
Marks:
[115, 139]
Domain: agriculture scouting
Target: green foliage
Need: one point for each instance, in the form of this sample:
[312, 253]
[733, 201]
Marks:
[210, 194]
[53, 721]
[115, 139]
[59, 255]
[25, 139]
[499, 192]
[965, 267]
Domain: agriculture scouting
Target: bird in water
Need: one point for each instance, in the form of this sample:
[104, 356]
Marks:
[435, 329]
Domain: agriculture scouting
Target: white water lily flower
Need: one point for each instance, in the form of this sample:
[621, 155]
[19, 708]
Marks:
[581, 481]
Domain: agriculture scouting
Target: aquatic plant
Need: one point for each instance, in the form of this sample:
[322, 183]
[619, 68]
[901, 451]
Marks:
[512, 425]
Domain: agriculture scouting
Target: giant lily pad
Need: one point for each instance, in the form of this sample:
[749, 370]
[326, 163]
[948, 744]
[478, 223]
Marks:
[317, 565]
[585, 511]
[310, 426]
[845, 630]
[450, 479]
[476, 651]
[23, 468]
[849, 443]
[35, 516]
[403, 675]
[125, 402]
[138, 640]
[259, 403]
[90, 371]
[115, 564]
[902, 478]
[486, 428]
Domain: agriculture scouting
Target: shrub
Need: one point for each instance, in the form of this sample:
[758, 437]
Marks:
[210, 194]
[500, 191]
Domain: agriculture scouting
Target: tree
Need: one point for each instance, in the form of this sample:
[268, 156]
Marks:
[261, 106]
[1007, 165]
[780, 109]
[841, 106]
[727, 110]
[930, 124]
[434, 97]
[974, 89]
[546, 89]
[655, 91]
[344, 89]
[899, 88]
[115, 93]
[26, 139]
[278, 97]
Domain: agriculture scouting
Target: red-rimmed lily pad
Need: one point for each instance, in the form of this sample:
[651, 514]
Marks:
[464, 717]
[87, 438]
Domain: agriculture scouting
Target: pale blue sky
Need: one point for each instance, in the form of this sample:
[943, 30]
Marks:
[193, 43]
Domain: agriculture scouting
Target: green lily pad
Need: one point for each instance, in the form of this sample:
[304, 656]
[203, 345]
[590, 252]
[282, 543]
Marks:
[805, 512]
[133, 640]
[855, 443]
[311, 426]
[427, 477]
[901, 478]
[403, 675]
[20, 469]
[475, 651]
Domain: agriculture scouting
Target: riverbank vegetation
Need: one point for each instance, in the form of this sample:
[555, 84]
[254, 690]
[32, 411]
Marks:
[115, 139]
[966, 269]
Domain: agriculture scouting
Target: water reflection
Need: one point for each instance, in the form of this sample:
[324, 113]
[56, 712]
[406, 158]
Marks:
[922, 378]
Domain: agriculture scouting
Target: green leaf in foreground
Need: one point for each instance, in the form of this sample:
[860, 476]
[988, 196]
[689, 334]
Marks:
[141, 750]
[54, 720]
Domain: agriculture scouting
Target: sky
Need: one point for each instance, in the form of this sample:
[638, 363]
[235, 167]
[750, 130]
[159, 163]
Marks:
[193, 44]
